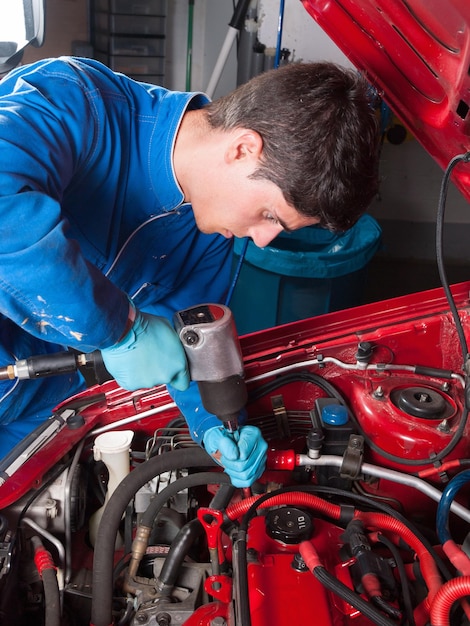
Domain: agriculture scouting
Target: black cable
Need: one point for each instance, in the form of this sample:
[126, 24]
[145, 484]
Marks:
[343, 591]
[388, 510]
[380, 506]
[386, 607]
[465, 158]
[405, 588]
[328, 580]
[461, 158]
[121, 566]
[326, 386]
[3, 527]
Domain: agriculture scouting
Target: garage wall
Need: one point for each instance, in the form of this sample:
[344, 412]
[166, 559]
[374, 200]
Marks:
[67, 23]
[407, 204]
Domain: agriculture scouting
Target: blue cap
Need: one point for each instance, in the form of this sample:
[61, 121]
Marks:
[334, 414]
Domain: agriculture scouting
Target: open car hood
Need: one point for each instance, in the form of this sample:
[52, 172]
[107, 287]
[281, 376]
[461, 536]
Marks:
[417, 52]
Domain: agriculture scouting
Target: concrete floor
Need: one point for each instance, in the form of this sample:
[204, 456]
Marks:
[389, 277]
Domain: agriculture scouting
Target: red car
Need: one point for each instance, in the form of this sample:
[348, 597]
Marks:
[114, 516]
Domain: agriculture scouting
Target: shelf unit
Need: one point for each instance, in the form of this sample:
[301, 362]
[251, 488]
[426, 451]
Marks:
[129, 37]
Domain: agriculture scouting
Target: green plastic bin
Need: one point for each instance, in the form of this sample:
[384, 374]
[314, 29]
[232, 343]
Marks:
[302, 274]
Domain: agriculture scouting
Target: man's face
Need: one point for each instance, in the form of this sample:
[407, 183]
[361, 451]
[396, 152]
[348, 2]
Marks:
[245, 207]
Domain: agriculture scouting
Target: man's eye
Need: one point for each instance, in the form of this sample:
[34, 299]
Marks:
[271, 218]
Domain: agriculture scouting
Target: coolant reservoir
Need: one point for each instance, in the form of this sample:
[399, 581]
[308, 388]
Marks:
[113, 449]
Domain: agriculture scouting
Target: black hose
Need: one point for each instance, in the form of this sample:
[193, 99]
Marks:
[179, 549]
[47, 572]
[51, 597]
[405, 587]
[385, 508]
[190, 532]
[343, 591]
[102, 582]
[161, 498]
[240, 554]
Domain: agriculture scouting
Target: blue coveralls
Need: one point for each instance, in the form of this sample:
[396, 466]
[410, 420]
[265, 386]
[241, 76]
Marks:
[91, 212]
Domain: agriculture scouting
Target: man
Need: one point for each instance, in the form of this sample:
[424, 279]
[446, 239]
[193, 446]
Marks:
[118, 204]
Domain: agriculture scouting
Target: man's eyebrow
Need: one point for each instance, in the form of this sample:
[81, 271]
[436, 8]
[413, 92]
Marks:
[285, 228]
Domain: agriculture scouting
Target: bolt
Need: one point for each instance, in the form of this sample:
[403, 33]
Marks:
[141, 618]
[298, 563]
[191, 337]
[163, 619]
[423, 397]
[444, 427]
[50, 506]
[379, 392]
[252, 555]
[218, 621]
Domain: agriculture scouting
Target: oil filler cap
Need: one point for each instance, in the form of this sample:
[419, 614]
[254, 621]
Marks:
[289, 525]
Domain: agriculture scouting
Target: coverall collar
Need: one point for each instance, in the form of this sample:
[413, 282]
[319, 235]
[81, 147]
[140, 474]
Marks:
[170, 114]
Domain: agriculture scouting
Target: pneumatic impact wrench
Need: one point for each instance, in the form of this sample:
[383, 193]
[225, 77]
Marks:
[210, 340]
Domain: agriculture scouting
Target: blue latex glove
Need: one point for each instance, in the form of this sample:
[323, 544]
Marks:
[244, 459]
[149, 354]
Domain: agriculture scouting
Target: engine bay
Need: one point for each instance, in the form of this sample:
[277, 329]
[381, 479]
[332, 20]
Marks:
[359, 518]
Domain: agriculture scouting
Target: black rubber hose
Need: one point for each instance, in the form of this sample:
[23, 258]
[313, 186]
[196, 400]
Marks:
[102, 581]
[3, 527]
[51, 597]
[176, 555]
[405, 587]
[343, 591]
[161, 498]
[190, 532]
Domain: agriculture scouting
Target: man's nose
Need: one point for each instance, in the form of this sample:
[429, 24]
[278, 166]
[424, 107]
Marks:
[263, 235]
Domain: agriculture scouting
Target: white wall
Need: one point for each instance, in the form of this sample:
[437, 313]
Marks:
[210, 25]
[300, 33]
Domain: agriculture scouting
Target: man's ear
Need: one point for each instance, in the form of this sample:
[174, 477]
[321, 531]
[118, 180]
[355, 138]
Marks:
[244, 144]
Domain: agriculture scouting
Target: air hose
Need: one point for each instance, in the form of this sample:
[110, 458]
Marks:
[102, 582]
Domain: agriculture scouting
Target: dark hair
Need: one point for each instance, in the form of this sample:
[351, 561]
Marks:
[320, 137]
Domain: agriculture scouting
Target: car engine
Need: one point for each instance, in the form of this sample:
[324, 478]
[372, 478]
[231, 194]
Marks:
[115, 516]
